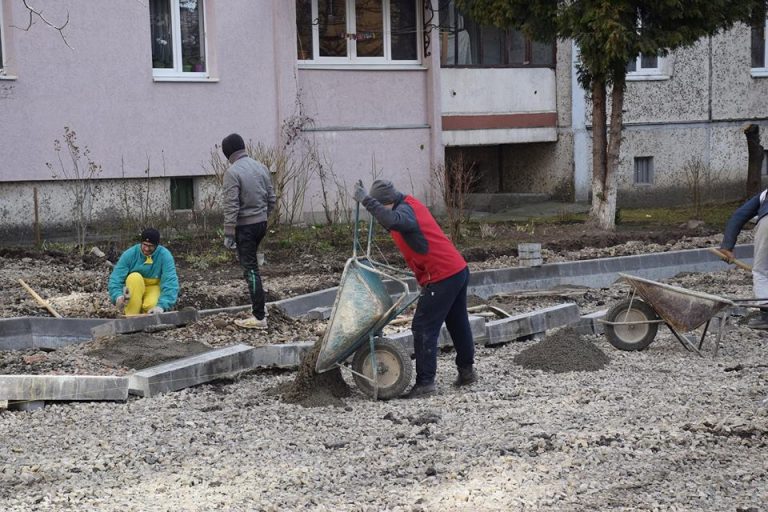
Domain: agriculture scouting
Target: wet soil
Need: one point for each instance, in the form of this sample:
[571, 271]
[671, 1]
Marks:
[141, 350]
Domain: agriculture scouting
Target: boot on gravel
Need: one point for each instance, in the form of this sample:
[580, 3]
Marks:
[466, 377]
[419, 390]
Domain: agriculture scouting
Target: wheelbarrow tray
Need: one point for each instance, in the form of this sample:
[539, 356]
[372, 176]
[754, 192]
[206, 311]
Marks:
[684, 310]
[362, 306]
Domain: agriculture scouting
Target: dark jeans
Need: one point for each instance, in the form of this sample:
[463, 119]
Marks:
[248, 238]
[444, 301]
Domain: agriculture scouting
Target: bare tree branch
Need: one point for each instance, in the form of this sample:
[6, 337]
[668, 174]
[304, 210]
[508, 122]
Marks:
[38, 13]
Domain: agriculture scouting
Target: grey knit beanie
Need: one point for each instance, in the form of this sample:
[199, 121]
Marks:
[384, 192]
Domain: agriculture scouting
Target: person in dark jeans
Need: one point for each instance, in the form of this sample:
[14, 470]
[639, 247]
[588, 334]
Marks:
[249, 199]
[441, 273]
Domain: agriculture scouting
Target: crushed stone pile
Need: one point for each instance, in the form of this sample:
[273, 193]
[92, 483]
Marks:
[563, 351]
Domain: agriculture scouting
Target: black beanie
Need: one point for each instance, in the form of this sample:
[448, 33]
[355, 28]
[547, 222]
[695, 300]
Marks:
[231, 143]
[151, 235]
[384, 192]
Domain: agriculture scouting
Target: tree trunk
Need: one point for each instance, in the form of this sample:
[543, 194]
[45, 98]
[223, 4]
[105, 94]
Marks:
[755, 164]
[599, 143]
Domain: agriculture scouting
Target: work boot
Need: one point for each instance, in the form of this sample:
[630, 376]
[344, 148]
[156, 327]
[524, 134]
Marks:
[759, 321]
[466, 377]
[251, 323]
[419, 390]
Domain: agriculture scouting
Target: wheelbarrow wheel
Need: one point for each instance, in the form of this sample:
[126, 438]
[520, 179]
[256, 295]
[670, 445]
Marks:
[636, 336]
[394, 369]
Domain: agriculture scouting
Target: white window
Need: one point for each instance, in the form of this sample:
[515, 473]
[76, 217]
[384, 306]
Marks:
[760, 50]
[178, 38]
[645, 66]
[358, 31]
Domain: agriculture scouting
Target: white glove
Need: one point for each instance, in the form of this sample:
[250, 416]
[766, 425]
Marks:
[155, 310]
[126, 293]
[120, 303]
[229, 243]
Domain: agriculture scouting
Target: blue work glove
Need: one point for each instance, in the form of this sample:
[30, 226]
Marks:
[229, 243]
[359, 194]
[155, 310]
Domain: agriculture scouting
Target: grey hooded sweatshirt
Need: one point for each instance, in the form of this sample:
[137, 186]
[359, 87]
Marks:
[248, 194]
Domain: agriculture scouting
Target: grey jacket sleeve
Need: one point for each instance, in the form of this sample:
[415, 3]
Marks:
[400, 218]
[231, 206]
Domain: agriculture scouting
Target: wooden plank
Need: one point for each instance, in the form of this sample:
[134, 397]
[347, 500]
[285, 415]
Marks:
[39, 299]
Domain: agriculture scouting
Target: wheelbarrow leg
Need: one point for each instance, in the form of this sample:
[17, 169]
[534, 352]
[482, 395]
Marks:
[684, 340]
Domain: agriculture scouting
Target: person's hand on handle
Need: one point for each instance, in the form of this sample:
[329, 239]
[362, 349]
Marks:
[359, 193]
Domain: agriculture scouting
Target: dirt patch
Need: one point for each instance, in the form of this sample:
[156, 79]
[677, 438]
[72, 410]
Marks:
[139, 351]
[312, 389]
[563, 351]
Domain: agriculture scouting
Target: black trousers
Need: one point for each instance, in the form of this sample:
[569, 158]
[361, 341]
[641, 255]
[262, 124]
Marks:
[248, 238]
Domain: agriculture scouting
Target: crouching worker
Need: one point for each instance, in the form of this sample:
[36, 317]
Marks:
[144, 279]
[442, 275]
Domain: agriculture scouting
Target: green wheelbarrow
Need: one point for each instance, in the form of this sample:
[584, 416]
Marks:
[381, 368]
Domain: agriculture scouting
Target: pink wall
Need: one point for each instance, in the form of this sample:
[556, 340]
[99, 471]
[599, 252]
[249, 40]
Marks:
[104, 90]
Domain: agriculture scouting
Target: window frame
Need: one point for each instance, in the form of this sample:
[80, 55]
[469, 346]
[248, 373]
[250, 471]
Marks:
[651, 171]
[189, 182]
[3, 63]
[761, 71]
[178, 66]
[527, 48]
[646, 73]
[352, 59]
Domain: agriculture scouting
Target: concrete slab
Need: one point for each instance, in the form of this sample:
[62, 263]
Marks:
[63, 387]
[41, 332]
[599, 272]
[590, 324]
[286, 355]
[476, 323]
[3, 404]
[512, 328]
[139, 323]
[321, 313]
[191, 371]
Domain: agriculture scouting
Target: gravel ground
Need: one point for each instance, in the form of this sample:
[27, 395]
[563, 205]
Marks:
[661, 429]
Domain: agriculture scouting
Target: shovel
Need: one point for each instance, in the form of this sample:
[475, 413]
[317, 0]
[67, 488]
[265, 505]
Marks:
[738, 263]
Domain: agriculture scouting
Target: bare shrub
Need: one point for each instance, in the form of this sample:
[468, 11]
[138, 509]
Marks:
[454, 182]
[702, 184]
[80, 175]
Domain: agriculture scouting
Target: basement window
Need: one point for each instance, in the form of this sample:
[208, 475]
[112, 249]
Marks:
[643, 170]
[764, 167]
[182, 196]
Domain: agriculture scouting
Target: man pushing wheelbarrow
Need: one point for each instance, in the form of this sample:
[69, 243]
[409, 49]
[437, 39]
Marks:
[442, 275]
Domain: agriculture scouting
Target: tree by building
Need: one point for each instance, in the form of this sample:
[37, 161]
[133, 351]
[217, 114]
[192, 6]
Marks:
[610, 34]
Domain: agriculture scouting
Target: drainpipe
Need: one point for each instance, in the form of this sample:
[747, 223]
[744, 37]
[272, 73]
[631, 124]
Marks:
[434, 104]
[708, 152]
[581, 174]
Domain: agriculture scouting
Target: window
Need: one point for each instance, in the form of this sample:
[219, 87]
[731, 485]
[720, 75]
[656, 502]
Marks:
[759, 49]
[764, 167]
[182, 196]
[644, 170]
[358, 31]
[463, 42]
[178, 37]
[644, 65]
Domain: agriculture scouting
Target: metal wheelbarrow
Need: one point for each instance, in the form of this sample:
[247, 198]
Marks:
[632, 324]
[363, 306]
